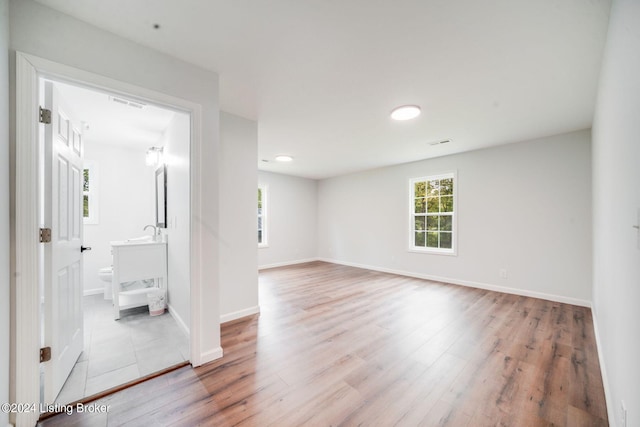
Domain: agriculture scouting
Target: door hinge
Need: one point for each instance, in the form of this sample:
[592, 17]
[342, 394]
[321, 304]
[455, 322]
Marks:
[45, 235]
[45, 354]
[45, 116]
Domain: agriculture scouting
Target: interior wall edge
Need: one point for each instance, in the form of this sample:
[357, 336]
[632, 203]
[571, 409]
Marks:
[603, 369]
[179, 320]
[209, 356]
[250, 311]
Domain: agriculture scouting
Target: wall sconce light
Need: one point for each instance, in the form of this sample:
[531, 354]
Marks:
[154, 156]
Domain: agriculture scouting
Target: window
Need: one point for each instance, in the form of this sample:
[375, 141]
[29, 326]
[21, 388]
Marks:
[433, 220]
[90, 193]
[262, 216]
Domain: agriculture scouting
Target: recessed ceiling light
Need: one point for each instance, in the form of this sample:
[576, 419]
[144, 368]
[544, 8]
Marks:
[283, 158]
[405, 112]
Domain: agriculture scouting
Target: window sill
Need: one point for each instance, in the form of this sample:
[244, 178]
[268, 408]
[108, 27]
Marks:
[434, 252]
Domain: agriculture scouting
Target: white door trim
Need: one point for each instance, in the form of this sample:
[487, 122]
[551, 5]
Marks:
[27, 330]
[27, 338]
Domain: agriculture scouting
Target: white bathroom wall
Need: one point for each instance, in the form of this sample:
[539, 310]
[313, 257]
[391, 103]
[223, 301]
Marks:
[38, 30]
[238, 244]
[125, 197]
[291, 220]
[521, 207]
[175, 141]
[4, 210]
[616, 210]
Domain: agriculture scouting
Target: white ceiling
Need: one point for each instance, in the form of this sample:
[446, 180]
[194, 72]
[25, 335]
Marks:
[321, 76]
[114, 123]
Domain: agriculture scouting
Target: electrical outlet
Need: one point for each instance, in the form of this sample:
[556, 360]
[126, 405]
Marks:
[502, 273]
[623, 414]
[637, 227]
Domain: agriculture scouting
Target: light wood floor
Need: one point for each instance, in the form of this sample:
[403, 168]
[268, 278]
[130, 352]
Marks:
[336, 345]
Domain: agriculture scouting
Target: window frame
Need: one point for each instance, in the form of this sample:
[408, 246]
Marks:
[92, 193]
[264, 214]
[453, 251]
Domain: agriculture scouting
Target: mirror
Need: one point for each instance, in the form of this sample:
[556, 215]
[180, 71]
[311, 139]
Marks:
[161, 197]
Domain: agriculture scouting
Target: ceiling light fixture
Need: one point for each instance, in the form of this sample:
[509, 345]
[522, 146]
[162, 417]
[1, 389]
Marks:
[283, 158]
[405, 112]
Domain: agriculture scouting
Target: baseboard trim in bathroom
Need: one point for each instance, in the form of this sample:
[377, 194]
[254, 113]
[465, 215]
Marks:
[95, 291]
[113, 390]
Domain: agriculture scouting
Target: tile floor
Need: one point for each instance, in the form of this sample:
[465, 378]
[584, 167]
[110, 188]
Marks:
[118, 351]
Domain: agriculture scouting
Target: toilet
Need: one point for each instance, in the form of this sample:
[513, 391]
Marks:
[105, 274]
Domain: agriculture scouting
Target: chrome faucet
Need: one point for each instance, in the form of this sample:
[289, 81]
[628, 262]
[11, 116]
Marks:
[155, 229]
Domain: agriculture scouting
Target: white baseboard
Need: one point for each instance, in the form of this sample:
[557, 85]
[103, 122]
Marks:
[210, 356]
[178, 319]
[611, 410]
[285, 263]
[468, 283]
[95, 291]
[239, 314]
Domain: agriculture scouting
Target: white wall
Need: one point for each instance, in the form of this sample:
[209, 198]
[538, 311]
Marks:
[175, 141]
[40, 31]
[125, 196]
[522, 207]
[238, 245]
[4, 210]
[291, 219]
[616, 205]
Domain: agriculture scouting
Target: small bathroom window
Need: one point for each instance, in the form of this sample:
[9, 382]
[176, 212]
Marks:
[90, 192]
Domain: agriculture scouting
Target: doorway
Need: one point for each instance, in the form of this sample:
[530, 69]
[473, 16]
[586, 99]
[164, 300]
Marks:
[119, 204]
[204, 340]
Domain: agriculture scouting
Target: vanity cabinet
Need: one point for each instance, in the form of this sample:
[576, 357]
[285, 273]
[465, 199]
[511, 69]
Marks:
[134, 261]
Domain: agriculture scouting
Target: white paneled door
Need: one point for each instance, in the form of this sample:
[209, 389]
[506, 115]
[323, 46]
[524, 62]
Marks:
[63, 201]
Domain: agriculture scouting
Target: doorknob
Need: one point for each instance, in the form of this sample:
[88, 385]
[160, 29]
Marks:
[85, 248]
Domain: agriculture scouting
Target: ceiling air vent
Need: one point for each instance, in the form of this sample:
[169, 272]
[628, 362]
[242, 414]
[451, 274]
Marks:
[127, 102]
[444, 141]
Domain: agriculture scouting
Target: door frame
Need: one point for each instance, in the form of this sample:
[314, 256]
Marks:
[26, 330]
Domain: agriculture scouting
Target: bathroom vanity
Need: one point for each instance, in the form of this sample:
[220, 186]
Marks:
[137, 260]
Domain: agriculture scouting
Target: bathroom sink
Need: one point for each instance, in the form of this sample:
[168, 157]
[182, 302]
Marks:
[140, 239]
[135, 260]
[144, 240]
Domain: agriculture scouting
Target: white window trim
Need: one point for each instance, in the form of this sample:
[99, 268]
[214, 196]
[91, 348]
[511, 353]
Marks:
[94, 185]
[265, 226]
[454, 220]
